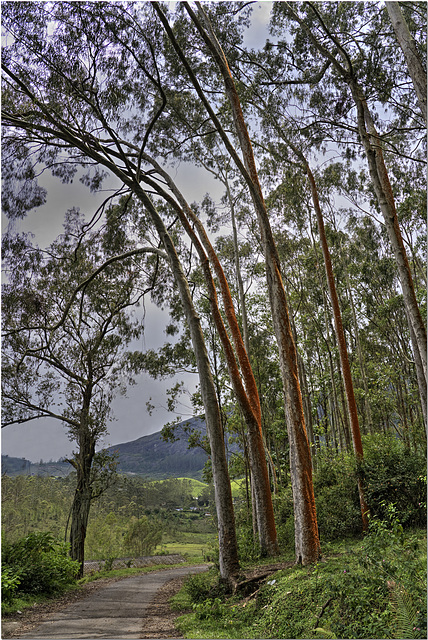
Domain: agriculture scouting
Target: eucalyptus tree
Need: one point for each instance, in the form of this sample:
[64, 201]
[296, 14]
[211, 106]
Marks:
[236, 357]
[65, 334]
[97, 114]
[354, 71]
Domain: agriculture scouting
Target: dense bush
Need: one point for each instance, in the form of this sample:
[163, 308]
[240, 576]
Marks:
[336, 496]
[199, 587]
[394, 474]
[9, 584]
[391, 474]
[371, 588]
[39, 563]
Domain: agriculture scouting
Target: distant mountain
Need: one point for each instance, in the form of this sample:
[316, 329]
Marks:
[149, 456]
[152, 457]
[11, 466]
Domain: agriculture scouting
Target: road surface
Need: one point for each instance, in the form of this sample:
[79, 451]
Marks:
[114, 611]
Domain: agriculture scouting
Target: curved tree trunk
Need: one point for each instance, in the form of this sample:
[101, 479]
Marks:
[229, 564]
[247, 393]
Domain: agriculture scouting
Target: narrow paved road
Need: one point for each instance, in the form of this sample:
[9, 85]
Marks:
[114, 611]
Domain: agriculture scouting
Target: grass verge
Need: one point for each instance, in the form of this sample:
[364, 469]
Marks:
[374, 588]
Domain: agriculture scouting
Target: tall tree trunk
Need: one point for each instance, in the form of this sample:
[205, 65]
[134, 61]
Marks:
[229, 564]
[79, 520]
[241, 292]
[367, 405]
[343, 352]
[307, 544]
[411, 54]
[379, 175]
[382, 187]
[419, 374]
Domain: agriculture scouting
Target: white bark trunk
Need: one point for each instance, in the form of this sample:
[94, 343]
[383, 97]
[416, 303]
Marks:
[411, 54]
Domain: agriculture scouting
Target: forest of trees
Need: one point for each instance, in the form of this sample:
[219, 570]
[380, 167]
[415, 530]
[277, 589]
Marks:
[296, 287]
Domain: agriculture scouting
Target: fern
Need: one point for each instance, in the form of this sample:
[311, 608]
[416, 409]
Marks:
[406, 613]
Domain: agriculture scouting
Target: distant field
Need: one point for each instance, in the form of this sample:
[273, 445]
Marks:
[199, 545]
[197, 486]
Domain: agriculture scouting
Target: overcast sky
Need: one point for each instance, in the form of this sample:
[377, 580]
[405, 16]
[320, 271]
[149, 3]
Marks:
[47, 439]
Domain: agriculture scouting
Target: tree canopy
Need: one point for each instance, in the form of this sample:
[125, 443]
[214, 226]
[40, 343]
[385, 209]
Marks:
[302, 287]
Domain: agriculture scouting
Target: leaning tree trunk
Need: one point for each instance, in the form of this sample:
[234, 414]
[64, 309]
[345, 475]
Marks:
[243, 382]
[228, 550]
[307, 544]
[411, 54]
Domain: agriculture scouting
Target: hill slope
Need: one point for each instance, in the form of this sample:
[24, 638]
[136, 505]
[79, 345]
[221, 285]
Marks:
[151, 456]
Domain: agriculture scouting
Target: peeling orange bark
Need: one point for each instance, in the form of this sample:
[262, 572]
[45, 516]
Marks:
[343, 352]
[247, 393]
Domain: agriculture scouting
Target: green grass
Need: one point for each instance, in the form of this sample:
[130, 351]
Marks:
[196, 485]
[196, 547]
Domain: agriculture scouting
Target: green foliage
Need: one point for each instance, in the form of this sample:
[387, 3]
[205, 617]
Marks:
[9, 584]
[394, 474]
[40, 563]
[142, 537]
[210, 608]
[370, 589]
[43, 504]
[391, 473]
[248, 547]
[202, 586]
[284, 515]
[396, 560]
[336, 496]
[31, 503]
[407, 616]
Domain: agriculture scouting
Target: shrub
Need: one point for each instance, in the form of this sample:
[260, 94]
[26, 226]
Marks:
[336, 496]
[9, 584]
[394, 474]
[142, 536]
[40, 563]
[394, 558]
[200, 587]
[391, 474]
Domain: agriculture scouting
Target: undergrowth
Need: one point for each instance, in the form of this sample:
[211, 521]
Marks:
[375, 588]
